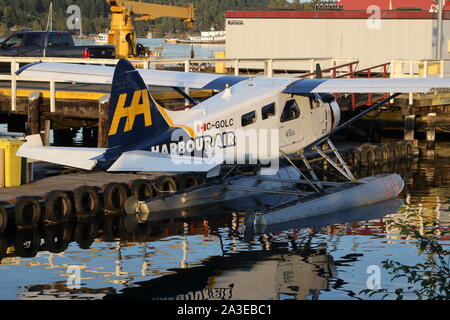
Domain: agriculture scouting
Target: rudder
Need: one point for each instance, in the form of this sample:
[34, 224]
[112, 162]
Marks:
[133, 115]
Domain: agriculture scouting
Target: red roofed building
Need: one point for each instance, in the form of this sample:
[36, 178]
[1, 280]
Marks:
[370, 37]
[391, 4]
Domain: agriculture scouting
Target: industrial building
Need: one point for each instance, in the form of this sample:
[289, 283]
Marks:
[371, 37]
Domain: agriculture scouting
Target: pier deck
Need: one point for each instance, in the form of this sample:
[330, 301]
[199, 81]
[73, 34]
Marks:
[66, 182]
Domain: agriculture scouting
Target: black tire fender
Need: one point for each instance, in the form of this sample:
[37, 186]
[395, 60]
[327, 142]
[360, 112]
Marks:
[58, 207]
[408, 149]
[166, 185]
[187, 181]
[142, 189]
[382, 154]
[87, 201]
[115, 195]
[394, 150]
[367, 156]
[357, 157]
[27, 212]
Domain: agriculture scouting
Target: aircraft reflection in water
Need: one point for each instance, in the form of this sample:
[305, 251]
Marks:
[281, 270]
[272, 269]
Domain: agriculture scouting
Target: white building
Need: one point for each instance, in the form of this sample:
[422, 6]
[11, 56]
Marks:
[372, 38]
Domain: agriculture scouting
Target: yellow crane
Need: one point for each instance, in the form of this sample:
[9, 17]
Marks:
[122, 34]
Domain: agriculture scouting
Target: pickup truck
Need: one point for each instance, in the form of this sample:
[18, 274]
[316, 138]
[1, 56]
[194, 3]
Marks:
[51, 44]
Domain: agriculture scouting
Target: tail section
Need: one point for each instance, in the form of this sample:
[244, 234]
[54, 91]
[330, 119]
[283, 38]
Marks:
[133, 114]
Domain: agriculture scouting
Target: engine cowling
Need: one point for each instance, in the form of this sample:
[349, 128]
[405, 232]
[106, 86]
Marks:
[336, 114]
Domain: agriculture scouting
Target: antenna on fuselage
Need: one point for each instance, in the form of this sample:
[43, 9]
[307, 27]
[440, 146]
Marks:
[248, 73]
[227, 91]
[289, 78]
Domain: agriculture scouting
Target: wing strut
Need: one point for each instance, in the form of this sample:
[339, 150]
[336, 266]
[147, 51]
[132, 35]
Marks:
[186, 96]
[349, 122]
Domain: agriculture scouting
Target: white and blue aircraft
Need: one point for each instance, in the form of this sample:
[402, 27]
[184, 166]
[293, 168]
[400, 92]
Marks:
[141, 132]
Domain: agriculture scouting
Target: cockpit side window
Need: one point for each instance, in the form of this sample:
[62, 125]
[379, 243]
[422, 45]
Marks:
[313, 103]
[268, 111]
[291, 111]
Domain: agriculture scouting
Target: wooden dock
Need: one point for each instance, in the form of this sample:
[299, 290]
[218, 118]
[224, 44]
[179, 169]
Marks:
[67, 196]
[66, 182]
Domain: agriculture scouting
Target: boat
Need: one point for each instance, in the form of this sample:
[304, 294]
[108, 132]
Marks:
[170, 40]
[206, 37]
[102, 38]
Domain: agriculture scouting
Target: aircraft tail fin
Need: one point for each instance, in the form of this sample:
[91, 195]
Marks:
[133, 114]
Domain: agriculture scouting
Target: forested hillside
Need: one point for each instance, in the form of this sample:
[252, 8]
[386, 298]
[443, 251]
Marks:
[32, 14]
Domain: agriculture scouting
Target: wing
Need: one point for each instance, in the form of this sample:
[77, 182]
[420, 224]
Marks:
[66, 72]
[72, 157]
[403, 85]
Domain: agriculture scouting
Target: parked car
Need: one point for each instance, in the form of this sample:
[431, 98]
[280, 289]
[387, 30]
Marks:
[51, 44]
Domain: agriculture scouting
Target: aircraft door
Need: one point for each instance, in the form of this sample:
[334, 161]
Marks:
[320, 115]
[290, 124]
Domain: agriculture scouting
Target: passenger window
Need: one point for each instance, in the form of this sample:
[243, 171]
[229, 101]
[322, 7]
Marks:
[268, 111]
[291, 111]
[248, 118]
[14, 41]
[59, 39]
[34, 40]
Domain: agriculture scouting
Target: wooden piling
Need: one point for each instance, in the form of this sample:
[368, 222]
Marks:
[409, 127]
[47, 127]
[34, 104]
[103, 115]
[431, 130]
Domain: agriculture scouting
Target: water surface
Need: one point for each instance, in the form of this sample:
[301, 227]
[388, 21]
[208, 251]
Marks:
[220, 257]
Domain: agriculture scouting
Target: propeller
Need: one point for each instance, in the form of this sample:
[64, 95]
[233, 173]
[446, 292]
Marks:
[318, 71]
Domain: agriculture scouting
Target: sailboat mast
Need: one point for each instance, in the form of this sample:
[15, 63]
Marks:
[50, 18]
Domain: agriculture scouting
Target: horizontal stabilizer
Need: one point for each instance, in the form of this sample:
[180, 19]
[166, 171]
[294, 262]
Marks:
[158, 162]
[72, 157]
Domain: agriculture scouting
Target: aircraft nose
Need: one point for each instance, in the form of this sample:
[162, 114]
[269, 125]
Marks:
[335, 113]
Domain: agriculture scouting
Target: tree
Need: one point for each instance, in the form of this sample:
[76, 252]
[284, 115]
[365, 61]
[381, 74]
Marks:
[429, 279]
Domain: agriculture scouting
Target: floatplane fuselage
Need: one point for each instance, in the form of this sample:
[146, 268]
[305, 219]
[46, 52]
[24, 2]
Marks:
[248, 119]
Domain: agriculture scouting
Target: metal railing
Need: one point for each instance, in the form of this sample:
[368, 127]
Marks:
[404, 68]
[350, 70]
[429, 68]
[337, 71]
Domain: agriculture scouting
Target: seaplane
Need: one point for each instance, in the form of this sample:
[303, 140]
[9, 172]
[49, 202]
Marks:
[253, 120]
